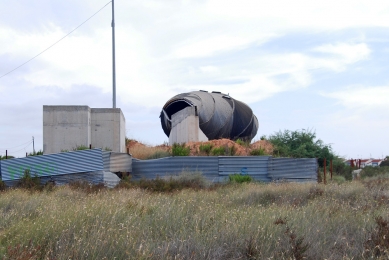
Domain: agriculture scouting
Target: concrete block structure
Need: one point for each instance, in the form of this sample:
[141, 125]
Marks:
[66, 127]
[185, 127]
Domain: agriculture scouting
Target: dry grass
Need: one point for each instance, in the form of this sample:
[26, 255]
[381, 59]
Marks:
[144, 152]
[248, 221]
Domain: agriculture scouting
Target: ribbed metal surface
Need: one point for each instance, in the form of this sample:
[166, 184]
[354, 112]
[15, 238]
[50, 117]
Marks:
[220, 116]
[120, 162]
[255, 166]
[117, 162]
[53, 164]
[293, 168]
[106, 160]
[91, 177]
[151, 169]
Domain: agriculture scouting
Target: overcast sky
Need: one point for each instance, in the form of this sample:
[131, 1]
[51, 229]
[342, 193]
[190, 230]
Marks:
[303, 64]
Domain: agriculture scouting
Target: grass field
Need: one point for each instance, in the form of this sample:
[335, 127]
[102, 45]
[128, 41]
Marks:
[236, 221]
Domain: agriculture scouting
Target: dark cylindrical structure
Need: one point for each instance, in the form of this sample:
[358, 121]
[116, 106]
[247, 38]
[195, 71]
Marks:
[220, 116]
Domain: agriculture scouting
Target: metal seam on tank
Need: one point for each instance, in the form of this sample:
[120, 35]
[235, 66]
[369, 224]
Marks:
[214, 109]
[214, 105]
[247, 125]
[202, 105]
[231, 116]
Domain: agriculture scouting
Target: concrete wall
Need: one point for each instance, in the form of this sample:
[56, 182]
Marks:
[108, 129]
[185, 127]
[66, 127]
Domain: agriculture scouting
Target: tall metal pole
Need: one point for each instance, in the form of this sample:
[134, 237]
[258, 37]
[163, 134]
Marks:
[113, 57]
[33, 145]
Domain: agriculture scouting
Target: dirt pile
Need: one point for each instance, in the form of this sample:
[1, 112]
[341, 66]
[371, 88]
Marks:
[142, 151]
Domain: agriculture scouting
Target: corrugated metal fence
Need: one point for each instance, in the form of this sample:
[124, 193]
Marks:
[90, 165]
[86, 165]
[216, 169]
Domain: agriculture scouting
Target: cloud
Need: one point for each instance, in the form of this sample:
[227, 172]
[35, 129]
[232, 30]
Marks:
[342, 54]
[367, 99]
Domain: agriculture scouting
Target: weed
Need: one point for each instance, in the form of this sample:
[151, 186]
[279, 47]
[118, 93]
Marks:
[180, 150]
[125, 183]
[252, 248]
[80, 147]
[338, 179]
[239, 178]
[8, 157]
[378, 243]
[144, 152]
[223, 151]
[29, 252]
[158, 154]
[315, 192]
[217, 151]
[297, 248]
[40, 152]
[370, 171]
[2, 185]
[185, 180]
[258, 152]
[86, 186]
[206, 148]
[28, 182]
[243, 142]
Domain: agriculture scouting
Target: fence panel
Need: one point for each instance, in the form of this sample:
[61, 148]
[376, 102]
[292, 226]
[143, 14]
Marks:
[255, 166]
[293, 169]
[117, 162]
[53, 164]
[151, 169]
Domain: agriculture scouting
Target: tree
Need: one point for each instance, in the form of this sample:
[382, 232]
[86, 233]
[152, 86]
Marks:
[385, 162]
[300, 144]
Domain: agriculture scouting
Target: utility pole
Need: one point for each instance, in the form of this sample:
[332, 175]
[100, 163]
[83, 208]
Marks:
[33, 145]
[113, 57]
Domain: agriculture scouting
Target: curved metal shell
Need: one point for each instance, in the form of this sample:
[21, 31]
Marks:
[220, 116]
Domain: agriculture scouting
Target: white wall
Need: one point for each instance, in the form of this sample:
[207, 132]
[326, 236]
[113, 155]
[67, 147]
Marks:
[185, 127]
[108, 129]
[66, 127]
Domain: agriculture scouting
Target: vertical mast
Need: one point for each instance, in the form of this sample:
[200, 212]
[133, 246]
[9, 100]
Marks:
[113, 57]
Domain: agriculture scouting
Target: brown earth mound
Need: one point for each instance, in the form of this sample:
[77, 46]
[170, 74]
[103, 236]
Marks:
[263, 144]
[142, 151]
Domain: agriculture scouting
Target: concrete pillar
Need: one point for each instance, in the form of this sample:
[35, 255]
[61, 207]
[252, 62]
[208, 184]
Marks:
[185, 127]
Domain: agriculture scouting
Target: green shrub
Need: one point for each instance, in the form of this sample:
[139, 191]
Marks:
[40, 152]
[231, 151]
[28, 182]
[8, 157]
[242, 142]
[2, 185]
[370, 171]
[223, 151]
[80, 147]
[258, 152]
[180, 150]
[239, 178]
[384, 163]
[217, 151]
[338, 179]
[206, 148]
[342, 169]
[158, 154]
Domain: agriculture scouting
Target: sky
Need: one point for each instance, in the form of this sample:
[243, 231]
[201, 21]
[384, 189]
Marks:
[321, 66]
